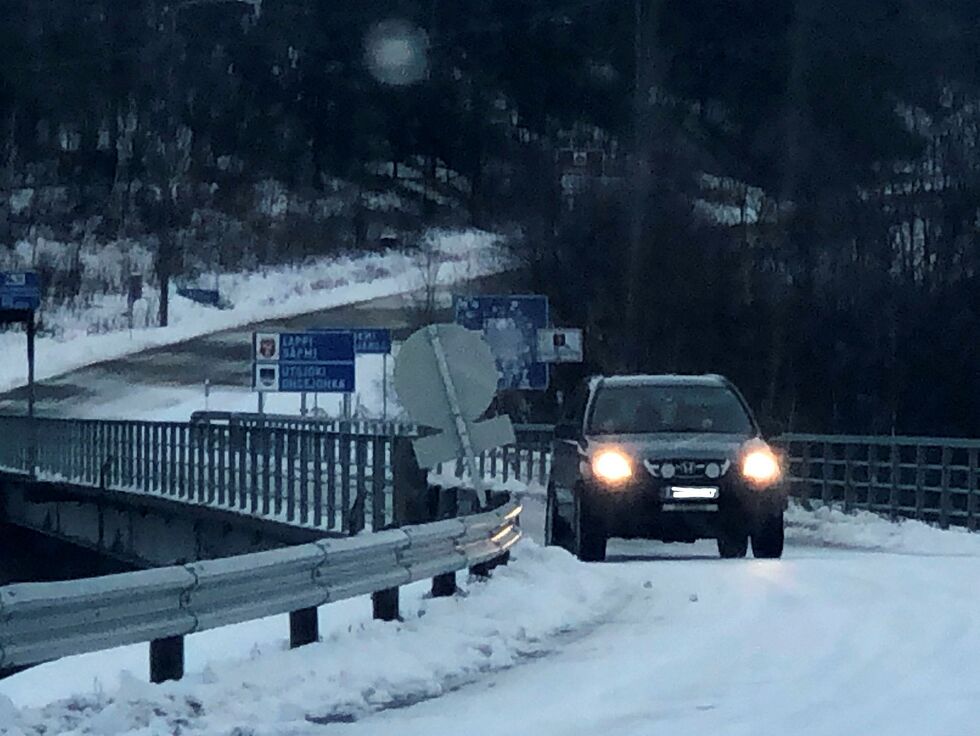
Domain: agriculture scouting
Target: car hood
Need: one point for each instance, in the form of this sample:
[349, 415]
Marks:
[688, 446]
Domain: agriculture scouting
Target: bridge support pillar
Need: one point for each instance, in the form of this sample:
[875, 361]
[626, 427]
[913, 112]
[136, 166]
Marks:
[385, 604]
[304, 627]
[444, 586]
[166, 659]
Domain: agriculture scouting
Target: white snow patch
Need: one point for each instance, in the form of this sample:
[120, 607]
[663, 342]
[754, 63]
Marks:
[830, 526]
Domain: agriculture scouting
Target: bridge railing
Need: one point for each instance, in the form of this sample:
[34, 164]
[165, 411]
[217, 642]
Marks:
[334, 481]
[926, 478]
[527, 461]
[338, 477]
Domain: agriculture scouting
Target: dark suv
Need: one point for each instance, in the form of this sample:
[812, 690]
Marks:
[674, 458]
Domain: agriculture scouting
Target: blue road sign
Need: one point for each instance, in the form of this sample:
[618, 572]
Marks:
[510, 325]
[368, 340]
[20, 291]
[321, 362]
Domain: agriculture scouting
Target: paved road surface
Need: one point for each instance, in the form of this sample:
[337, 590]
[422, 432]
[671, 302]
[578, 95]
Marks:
[160, 379]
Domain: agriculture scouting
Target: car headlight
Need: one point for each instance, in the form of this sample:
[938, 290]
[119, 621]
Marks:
[612, 467]
[761, 467]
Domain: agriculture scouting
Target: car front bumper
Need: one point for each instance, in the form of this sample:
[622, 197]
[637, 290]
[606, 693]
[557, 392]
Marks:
[644, 510]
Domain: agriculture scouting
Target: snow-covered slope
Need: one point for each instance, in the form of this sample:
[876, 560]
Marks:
[272, 293]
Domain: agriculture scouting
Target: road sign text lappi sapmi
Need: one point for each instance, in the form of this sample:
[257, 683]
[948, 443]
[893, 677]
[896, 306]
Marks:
[304, 361]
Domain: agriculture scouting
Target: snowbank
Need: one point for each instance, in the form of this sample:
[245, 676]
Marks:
[268, 294]
[522, 612]
[828, 526]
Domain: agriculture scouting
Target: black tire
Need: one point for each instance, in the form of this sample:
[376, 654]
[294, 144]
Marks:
[550, 514]
[768, 537]
[590, 537]
[733, 539]
[557, 532]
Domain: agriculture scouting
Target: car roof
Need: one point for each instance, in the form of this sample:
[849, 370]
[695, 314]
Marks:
[709, 379]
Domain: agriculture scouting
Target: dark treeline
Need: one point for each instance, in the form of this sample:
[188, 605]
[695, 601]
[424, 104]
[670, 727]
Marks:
[786, 192]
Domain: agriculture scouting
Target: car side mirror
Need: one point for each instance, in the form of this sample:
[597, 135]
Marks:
[568, 432]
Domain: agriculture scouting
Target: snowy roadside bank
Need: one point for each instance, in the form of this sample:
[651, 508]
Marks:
[269, 294]
[254, 685]
[831, 527]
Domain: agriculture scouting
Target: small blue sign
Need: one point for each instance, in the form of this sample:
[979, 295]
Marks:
[367, 340]
[372, 341]
[208, 297]
[510, 326]
[20, 292]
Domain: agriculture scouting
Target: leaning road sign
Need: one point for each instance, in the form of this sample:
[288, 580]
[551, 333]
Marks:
[445, 377]
[510, 325]
[319, 362]
[20, 292]
[560, 345]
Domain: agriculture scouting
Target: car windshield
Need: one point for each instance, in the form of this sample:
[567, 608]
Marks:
[642, 409]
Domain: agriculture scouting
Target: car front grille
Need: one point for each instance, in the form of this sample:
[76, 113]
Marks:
[688, 470]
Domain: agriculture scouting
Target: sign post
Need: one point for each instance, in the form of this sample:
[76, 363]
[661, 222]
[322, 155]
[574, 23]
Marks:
[20, 297]
[384, 386]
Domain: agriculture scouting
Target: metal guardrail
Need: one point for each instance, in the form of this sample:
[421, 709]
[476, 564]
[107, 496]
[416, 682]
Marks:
[927, 478]
[326, 480]
[44, 621]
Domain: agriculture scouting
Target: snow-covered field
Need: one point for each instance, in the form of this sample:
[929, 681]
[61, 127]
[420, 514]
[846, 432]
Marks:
[865, 627]
[76, 338]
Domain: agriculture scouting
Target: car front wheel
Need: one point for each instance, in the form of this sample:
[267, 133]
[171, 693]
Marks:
[733, 538]
[555, 528]
[768, 536]
[590, 537]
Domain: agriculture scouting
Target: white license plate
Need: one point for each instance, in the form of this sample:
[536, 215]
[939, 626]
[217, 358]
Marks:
[700, 493]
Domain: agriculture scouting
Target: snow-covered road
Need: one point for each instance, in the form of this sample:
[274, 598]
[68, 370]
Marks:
[826, 642]
[865, 627]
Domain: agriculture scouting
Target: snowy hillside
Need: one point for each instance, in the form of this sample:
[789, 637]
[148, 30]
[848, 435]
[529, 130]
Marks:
[98, 331]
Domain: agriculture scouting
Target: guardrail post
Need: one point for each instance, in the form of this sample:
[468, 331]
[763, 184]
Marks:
[444, 586]
[972, 490]
[894, 495]
[871, 499]
[410, 484]
[166, 659]
[944, 500]
[304, 627]
[920, 480]
[385, 605]
[848, 479]
[825, 490]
